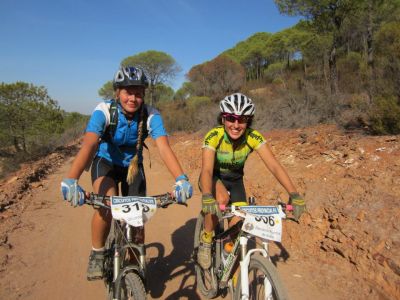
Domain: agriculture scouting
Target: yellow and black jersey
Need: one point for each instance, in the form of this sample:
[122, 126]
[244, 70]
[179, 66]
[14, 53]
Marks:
[230, 157]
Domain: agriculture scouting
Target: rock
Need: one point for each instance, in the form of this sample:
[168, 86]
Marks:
[361, 215]
[36, 185]
[12, 179]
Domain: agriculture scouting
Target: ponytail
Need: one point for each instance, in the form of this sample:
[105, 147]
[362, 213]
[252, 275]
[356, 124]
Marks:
[133, 168]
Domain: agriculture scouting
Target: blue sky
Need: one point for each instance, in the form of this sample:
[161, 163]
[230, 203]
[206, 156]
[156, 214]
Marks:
[72, 47]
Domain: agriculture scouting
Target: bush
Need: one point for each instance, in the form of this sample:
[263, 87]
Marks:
[275, 70]
[196, 102]
[191, 115]
[352, 72]
[385, 116]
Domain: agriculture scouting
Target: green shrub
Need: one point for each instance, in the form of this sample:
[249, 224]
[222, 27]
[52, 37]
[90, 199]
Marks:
[385, 116]
[278, 80]
[275, 70]
[352, 72]
[196, 102]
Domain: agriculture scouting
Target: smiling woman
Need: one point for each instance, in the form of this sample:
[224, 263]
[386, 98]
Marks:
[117, 163]
[130, 98]
[225, 151]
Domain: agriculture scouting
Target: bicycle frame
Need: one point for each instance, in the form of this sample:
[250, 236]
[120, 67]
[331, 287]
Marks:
[123, 245]
[241, 243]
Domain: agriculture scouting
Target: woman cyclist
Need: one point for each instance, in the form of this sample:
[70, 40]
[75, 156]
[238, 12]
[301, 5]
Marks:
[225, 150]
[118, 156]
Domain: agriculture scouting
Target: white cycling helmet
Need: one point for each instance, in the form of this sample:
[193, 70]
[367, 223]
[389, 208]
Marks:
[237, 104]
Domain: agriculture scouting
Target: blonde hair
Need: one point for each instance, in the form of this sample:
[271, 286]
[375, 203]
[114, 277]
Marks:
[133, 168]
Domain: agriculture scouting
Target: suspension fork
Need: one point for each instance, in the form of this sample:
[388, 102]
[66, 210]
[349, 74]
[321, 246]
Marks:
[117, 262]
[244, 265]
[139, 247]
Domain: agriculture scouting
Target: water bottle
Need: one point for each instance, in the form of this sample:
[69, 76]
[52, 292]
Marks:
[226, 250]
[224, 256]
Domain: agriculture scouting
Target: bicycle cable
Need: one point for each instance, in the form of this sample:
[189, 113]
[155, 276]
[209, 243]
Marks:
[132, 250]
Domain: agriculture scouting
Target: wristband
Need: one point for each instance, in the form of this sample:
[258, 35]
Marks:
[182, 177]
[294, 195]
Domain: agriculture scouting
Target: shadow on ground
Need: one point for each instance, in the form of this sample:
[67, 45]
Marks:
[162, 269]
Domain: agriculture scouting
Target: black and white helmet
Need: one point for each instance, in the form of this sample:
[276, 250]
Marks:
[237, 104]
[129, 76]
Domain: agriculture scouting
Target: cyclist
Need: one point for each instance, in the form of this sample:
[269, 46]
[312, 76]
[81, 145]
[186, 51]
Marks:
[224, 153]
[118, 157]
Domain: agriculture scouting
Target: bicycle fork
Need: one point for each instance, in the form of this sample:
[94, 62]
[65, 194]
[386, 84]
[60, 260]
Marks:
[120, 271]
[244, 269]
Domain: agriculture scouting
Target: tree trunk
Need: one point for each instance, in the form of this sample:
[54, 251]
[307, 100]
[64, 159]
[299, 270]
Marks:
[370, 54]
[369, 35]
[324, 70]
[332, 66]
[23, 140]
[151, 92]
[16, 144]
[288, 60]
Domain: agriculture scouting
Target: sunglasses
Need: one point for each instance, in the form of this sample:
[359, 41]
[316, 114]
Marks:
[232, 118]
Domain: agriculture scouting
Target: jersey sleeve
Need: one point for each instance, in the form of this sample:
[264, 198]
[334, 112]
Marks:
[211, 139]
[99, 119]
[155, 125]
[255, 139]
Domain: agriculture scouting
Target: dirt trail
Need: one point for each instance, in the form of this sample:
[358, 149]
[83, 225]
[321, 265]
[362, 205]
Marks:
[45, 243]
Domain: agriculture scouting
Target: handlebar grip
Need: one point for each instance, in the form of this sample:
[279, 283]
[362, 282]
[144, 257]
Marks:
[289, 207]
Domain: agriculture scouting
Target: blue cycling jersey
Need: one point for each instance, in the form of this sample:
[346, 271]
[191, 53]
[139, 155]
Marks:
[122, 147]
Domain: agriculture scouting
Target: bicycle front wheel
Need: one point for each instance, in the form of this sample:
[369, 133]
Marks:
[206, 279]
[132, 287]
[264, 281]
[109, 261]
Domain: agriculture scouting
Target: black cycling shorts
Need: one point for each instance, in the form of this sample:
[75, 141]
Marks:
[101, 167]
[235, 187]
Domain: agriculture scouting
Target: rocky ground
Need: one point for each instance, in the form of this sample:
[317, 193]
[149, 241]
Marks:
[17, 190]
[349, 240]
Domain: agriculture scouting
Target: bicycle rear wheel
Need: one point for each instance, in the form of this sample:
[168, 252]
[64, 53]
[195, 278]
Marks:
[206, 279]
[264, 281]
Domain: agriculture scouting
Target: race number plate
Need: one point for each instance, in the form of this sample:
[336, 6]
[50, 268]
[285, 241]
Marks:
[133, 210]
[263, 221]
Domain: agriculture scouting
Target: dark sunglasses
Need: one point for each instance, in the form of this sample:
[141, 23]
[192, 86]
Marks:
[232, 118]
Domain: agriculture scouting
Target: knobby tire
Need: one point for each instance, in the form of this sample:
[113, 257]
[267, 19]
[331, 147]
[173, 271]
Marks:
[262, 267]
[132, 287]
[109, 261]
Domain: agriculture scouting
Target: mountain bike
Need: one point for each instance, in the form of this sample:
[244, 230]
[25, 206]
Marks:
[244, 272]
[125, 259]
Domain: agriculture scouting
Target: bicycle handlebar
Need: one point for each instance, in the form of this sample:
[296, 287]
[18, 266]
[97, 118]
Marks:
[228, 209]
[286, 206]
[163, 200]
